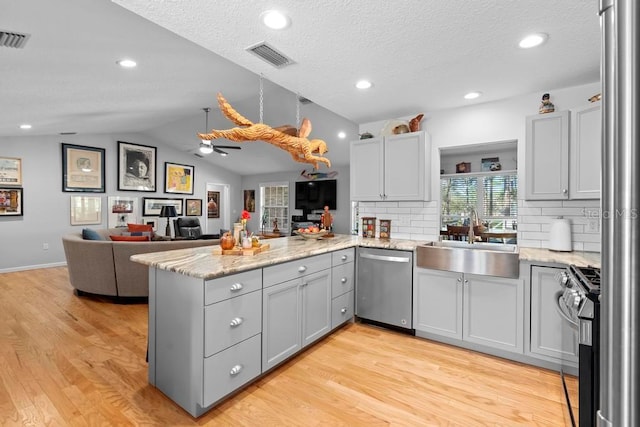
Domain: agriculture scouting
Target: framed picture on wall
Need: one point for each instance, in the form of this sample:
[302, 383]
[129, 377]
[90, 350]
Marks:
[136, 167]
[250, 200]
[178, 178]
[10, 171]
[86, 210]
[193, 207]
[151, 206]
[82, 168]
[153, 222]
[213, 204]
[122, 210]
[11, 201]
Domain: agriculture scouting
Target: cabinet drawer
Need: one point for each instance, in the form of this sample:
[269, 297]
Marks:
[342, 257]
[230, 286]
[294, 269]
[341, 309]
[342, 279]
[231, 369]
[231, 321]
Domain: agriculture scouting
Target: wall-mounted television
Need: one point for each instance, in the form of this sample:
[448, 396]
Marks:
[316, 194]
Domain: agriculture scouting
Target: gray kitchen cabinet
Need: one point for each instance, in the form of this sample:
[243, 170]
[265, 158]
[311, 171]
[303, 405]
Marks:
[437, 299]
[551, 335]
[563, 152]
[585, 151]
[494, 312]
[391, 168]
[205, 335]
[547, 156]
[295, 312]
[342, 283]
[477, 309]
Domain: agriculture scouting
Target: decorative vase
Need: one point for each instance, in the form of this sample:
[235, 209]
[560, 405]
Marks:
[246, 242]
[227, 241]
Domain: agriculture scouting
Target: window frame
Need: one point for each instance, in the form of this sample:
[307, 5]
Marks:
[285, 225]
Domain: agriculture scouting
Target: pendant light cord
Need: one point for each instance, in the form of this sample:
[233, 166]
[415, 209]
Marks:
[261, 98]
[297, 111]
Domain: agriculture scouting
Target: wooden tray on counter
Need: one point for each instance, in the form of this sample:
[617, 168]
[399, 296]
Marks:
[217, 250]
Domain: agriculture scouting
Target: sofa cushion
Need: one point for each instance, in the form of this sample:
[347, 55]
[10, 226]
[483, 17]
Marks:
[116, 238]
[149, 234]
[140, 227]
[89, 234]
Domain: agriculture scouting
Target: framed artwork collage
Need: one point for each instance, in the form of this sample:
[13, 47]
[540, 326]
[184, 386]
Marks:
[84, 173]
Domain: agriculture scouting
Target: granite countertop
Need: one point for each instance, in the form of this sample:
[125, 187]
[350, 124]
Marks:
[202, 263]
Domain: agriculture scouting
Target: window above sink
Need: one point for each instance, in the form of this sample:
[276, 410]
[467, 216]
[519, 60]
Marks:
[481, 178]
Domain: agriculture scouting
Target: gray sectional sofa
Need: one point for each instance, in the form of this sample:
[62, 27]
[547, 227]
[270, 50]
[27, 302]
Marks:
[103, 267]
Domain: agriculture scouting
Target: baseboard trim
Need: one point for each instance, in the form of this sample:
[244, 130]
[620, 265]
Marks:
[32, 267]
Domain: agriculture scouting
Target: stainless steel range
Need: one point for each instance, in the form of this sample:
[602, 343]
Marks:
[579, 304]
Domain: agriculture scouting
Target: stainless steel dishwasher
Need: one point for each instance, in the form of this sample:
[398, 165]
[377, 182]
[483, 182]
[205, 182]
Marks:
[384, 287]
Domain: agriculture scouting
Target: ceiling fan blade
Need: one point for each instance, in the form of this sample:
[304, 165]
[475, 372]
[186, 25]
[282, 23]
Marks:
[219, 151]
[231, 147]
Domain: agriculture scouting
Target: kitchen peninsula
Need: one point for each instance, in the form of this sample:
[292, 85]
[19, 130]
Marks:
[218, 322]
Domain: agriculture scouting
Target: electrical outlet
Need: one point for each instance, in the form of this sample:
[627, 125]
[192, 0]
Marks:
[45, 246]
[593, 226]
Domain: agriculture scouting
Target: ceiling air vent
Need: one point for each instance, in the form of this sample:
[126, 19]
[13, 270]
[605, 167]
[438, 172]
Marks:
[13, 39]
[267, 53]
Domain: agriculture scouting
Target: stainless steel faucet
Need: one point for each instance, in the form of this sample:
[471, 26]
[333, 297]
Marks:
[473, 219]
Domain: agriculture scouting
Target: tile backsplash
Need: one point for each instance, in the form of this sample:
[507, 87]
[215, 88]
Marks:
[421, 221]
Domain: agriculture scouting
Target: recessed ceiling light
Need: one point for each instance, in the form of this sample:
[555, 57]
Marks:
[127, 63]
[25, 126]
[533, 40]
[472, 95]
[363, 84]
[275, 19]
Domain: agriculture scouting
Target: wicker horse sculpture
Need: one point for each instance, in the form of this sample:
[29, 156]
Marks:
[288, 138]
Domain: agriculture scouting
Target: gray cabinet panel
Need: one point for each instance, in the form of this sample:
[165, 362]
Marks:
[494, 312]
[438, 302]
[586, 152]
[342, 279]
[294, 269]
[281, 323]
[316, 306]
[231, 286]
[231, 369]
[341, 309]
[551, 335]
[231, 321]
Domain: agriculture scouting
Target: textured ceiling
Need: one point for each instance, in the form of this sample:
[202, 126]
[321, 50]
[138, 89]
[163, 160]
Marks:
[422, 55]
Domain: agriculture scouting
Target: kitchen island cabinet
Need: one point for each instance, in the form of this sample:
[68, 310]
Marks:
[391, 168]
[296, 312]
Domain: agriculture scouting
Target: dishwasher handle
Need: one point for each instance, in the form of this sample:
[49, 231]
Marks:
[385, 258]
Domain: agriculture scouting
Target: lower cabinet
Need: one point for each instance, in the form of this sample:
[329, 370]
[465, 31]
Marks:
[551, 335]
[342, 285]
[295, 313]
[477, 309]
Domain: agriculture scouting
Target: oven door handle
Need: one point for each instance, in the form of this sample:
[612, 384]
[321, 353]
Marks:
[561, 311]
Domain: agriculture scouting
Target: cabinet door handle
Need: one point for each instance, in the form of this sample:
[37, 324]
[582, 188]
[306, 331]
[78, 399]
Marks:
[235, 370]
[344, 257]
[466, 282]
[303, 284]
[236, 322]
[302, 269]
[459, 279]
[564, 191]
[381, 196]
[343, 310]
[343, 280]
[235, 287]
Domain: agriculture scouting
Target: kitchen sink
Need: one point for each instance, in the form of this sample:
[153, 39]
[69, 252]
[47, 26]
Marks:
[491, 259]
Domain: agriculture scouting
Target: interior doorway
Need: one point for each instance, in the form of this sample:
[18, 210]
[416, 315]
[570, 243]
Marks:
[218, 208]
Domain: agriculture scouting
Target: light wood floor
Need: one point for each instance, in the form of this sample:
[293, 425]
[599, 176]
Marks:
[66, 360]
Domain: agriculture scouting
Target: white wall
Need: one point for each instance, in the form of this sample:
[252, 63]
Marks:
[482, 123]
[47, 208]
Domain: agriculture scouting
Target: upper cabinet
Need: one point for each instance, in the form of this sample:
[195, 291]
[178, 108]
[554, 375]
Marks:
[391, 168]
[563, 155]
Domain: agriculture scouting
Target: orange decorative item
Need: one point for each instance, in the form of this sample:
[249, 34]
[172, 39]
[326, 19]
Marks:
[227, 241]
[292, 140]
[414, 124]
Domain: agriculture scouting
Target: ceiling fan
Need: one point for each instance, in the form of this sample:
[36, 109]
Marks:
[207, 147]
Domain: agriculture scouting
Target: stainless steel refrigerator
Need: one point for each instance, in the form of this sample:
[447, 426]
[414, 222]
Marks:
[620, 292]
